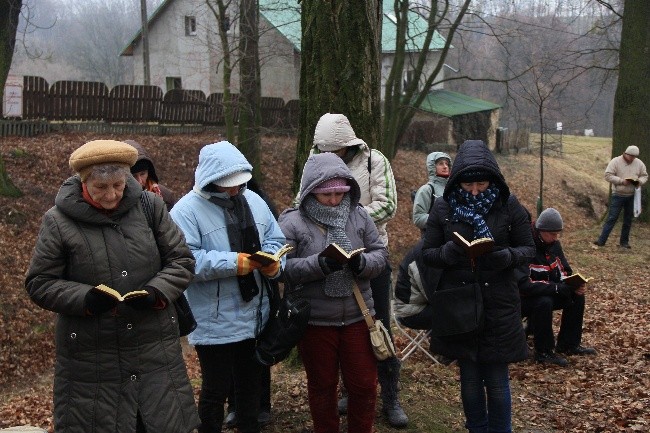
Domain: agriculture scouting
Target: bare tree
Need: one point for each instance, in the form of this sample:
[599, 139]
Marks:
[9, 15]
[401, 101]
[250, 85]
[222, 11]
[339, 69]
[96, 32]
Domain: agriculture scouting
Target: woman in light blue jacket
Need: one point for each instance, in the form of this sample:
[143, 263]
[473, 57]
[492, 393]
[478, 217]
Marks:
[224, 223]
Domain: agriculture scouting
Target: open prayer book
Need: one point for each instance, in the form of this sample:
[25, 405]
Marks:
[337, 253]
[634, 181]
[116, 295]
[576, 280]
[475, 248]
[265, 259]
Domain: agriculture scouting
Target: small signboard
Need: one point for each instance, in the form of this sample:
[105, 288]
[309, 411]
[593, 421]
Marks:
[559, 126]
[12, 101]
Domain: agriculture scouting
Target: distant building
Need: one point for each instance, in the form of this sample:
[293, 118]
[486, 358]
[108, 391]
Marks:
[185, 50]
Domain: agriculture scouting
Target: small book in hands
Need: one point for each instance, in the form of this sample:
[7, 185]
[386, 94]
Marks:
[475, 248]
[265, 259]
[339, 254]
[633, 181]
[119, 297]
[576, 280]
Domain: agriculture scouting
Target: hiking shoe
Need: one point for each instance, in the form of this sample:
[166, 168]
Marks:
[625, 246]
[343, 405]
[231, 420]
[550, 357]
[599, 243]
[264, 417]
[395, 414]
[577, 350]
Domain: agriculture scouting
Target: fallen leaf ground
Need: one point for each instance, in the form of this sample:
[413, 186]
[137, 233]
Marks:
[605, 393]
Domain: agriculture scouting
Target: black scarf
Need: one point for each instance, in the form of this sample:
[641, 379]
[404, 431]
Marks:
[243, 237]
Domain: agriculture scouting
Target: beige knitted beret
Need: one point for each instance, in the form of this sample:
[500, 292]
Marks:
[101, 152]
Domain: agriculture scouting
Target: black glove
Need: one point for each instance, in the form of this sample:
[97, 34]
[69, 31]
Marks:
[357, 263]
[497, 260]
[143, 302]
[564, 291]
[97, 302]
[329, 265]
[451, 253]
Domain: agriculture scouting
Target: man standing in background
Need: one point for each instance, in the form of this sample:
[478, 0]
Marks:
[625, 172]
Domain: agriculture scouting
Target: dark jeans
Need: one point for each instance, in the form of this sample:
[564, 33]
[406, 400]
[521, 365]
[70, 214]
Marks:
[422, 320]
[265, 393]
[539, 310]
[616, 204]
[221, 365]
[485, 391]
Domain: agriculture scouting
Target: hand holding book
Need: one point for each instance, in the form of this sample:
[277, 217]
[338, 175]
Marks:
[265, 259]
[337, 253]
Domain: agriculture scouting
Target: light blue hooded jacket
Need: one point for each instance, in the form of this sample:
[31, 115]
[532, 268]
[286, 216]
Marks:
[429, 191]
[221, 313]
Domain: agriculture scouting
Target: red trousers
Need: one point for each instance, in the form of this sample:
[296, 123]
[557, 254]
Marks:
[323, 349]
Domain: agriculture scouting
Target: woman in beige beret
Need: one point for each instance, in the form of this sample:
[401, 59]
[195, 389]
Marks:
[119, 365]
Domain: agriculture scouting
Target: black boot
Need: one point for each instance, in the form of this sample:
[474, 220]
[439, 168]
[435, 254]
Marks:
[388, 374]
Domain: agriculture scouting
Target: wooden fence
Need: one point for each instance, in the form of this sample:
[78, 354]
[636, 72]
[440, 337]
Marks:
[93, 101]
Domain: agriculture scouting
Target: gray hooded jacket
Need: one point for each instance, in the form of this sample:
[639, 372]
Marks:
[302, 270]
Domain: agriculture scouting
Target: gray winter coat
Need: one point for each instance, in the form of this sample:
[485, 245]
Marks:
[309, 239]
[113, 365]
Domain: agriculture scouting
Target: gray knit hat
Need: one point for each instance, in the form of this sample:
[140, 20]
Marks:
[549, 220]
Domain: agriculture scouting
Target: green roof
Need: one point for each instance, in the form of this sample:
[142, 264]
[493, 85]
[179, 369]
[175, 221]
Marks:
[450, 104]
[284, 15]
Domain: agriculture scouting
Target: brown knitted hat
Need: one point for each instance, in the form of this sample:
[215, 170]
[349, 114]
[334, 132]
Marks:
[101, 152]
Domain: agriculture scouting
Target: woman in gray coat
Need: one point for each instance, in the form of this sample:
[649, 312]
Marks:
[337, 335]
[119, 365]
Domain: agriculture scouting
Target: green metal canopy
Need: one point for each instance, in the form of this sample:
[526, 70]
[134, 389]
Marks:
[449, 104]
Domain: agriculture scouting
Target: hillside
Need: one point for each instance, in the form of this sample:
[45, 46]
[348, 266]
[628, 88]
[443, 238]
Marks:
[605, 393]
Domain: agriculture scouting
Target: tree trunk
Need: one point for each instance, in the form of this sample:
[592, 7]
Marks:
[250, 86]
[339, 70]
[9, 14]
[631, 114]
[220, 11]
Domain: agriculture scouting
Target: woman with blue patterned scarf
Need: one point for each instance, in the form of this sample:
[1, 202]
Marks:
[477, 203]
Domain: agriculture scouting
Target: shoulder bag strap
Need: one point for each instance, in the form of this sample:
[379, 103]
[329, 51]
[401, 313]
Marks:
[362, 305]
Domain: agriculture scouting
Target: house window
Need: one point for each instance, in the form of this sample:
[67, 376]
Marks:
[407, 78]
[190, 26]
[173, 83]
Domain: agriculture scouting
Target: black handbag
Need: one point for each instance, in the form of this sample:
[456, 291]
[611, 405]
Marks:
[457, 312]
[284, 329]
[184, 315]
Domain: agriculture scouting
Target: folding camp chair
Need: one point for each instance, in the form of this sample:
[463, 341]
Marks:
[418, 340]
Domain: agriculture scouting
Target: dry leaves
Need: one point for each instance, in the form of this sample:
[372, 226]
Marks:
[606, 393]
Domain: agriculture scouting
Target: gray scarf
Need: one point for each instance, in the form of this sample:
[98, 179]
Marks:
[337, 284]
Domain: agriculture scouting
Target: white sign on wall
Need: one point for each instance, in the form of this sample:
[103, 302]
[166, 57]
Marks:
[559, 126]
[12, 101]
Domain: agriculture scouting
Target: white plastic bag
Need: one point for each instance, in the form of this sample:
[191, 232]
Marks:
[637, 201]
